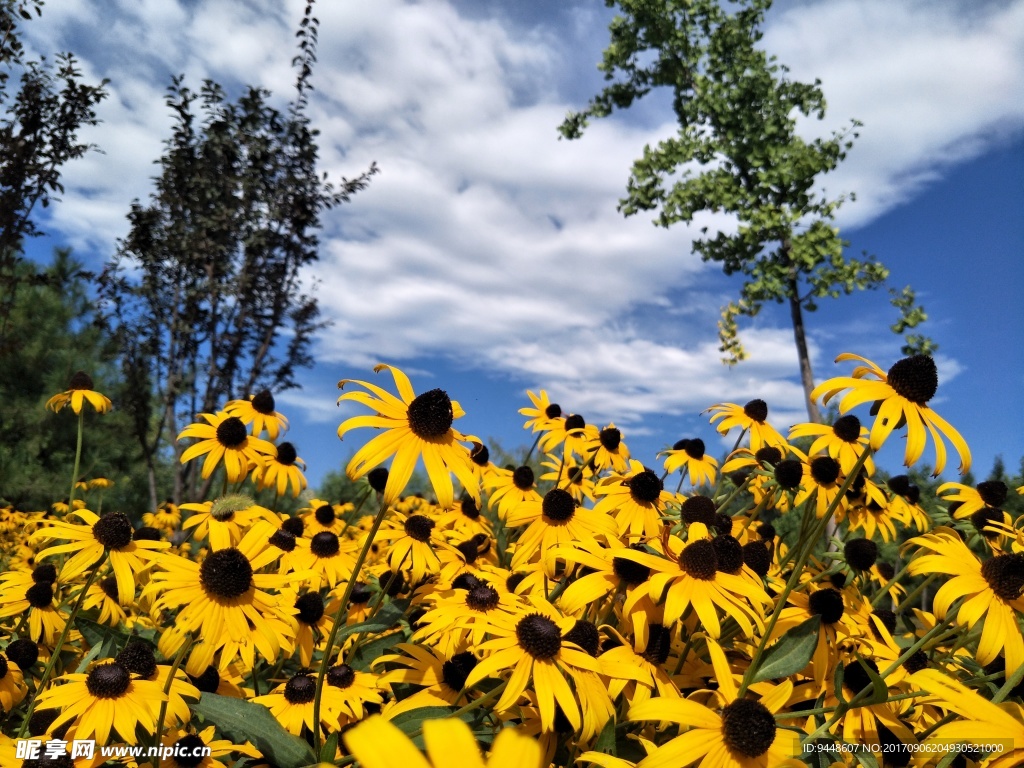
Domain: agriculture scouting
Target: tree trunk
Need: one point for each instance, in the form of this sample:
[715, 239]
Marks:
[800, 336]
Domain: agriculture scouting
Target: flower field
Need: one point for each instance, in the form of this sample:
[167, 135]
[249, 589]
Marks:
[783, 606]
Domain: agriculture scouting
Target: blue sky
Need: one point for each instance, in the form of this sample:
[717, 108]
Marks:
[488, 258]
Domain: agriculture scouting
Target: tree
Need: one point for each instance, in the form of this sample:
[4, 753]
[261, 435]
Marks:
[205, 292]
[39, 126]
[737, 150]
[53, 335]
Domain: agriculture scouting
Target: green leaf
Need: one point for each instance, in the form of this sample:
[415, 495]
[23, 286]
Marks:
[107, 639]
[364, 655]
[87, 659]
[791, 653]
[247, 721]
[330, 749]
[411, 722]
[606, 739]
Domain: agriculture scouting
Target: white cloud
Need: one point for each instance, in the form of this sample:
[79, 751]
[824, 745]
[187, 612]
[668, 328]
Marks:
[486, 238]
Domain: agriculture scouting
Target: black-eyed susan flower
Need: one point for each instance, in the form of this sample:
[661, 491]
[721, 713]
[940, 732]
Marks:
[635, 500]
[991, 591]
[104, 598]
[167, 517]
[105, 700]
[414, 544]
[224, 520]
[376, 743]
[12, 684]
[225, 440]
[845, 440]
[606, 573]
[79, 392]
[291, 704]
[416, 426]
[743, 734]
[983, 722]
[608, 450]
[225, 601]
[534, 645]
[460, 618]
[689, 455]
[20, 594]
[991, 494]
[440, 677]
[111, 534]
[510, 487]
[259, 411]
[753, 418]
[280, 470]
[689, 574]
[556, 519]
[138, 658]
[191, 748]
[573, 431]
[544, 414]
[900, 397]
[356, 691]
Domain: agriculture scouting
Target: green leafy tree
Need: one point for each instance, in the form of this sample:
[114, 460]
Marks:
[53, 335]
[39, 125]
[737, 151]
[205, 291]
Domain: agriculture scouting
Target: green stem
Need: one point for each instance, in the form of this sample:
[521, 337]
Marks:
[342, 607]
[794, 577]
[529, 453]
[375, 605]
[906, 601]
[475, 704]
[78, 460]
[48, 670]
[884, 591]
[167, 688]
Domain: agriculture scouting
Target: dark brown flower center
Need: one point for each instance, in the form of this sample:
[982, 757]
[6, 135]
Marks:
[146, 533]
[361, 593]
[699, 560]
[558, 505]
[189, 751]
[757, 557]
[522, 478]
[644, 487]
[899, 484]
[469, 508]
[914, 378]
[917, 662]
[574, 422]
[44, 574]
[325, 544]
[824, 470]
[584, 633]
[659, 644]
[294, 526]
[756, 410]
[109, 587]
[886, 618]
[108, 681]
[986, 517]
[855, 674]
[419, 527]
[729, 553]
[480, 455]
[286, 454]
[283, 540]
[378, 479]
[209, 681]
[113, 530]
[264, 403]
[23, 652]
[698, 509]
[1005, 575]
[300, 689]
[827, 603]
[324, 514]
[748, 727]
[610, 438]
[231, 433]
[455, 671]
[341, 676]
[226, 574]
[769, 455]
[993, 492]
[431, 415]
[539, 636]
[310, 607]
[860, 554]
[789, 473]
[847, 429]
[3, 667]
[40, 595]
[630, 572]
[81, 380]
[553, 411]
[482, 597]
[137, 656]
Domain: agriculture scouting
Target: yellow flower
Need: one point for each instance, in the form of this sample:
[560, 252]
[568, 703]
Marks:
[281, 469]
[751, 417]
[900, 397]
[79, 391]
[415, 426]
[259, 411]
[376, 743]
[225, 438]
[689, 455]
